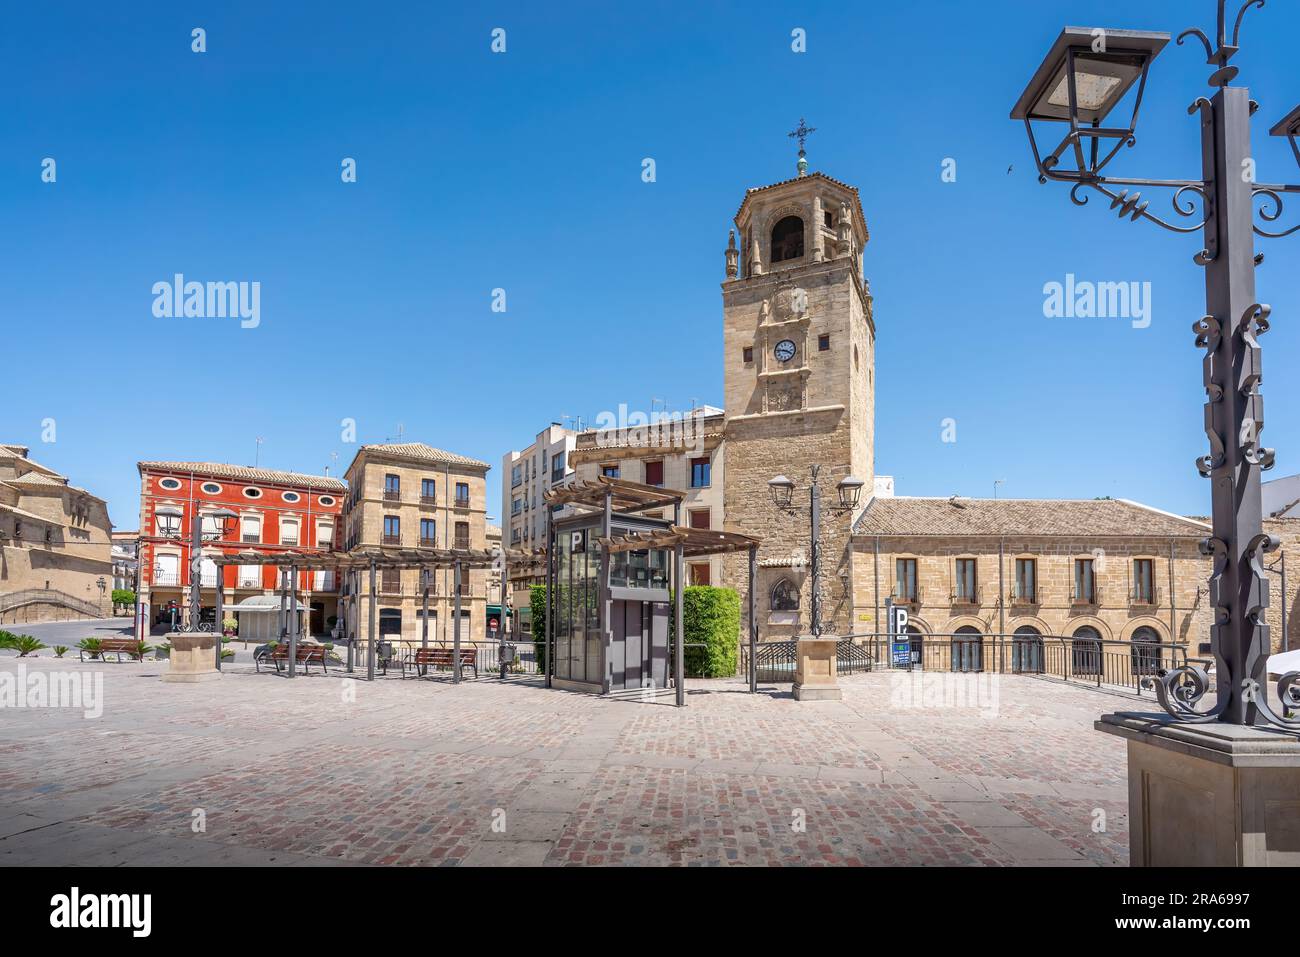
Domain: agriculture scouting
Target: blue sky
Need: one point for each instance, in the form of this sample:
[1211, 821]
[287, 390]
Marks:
[522, 171]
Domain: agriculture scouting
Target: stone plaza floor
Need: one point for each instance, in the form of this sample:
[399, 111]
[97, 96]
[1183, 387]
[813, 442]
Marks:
[256, 769]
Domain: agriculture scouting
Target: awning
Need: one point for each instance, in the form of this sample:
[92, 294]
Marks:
[269, 603]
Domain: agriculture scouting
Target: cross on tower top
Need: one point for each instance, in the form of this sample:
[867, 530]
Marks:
[801, 134]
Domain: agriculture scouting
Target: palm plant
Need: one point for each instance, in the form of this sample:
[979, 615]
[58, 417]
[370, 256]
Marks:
[139, 650]
[26, 644]
[92, 646]
[60, 651]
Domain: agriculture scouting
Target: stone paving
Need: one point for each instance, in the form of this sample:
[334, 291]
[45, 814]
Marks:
[256, 769]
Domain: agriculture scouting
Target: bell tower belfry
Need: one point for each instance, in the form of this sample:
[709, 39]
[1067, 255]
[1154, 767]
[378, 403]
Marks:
[799, 355]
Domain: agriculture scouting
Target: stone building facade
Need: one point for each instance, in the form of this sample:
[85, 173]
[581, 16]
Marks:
[798, 358]
[411, 494]
[55, 544]
[1103, 569]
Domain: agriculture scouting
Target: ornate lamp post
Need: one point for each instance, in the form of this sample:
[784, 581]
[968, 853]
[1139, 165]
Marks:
[1084, 77]
[782, 491]
[224, 520]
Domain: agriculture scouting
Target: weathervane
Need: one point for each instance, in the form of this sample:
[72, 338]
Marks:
[801, 134]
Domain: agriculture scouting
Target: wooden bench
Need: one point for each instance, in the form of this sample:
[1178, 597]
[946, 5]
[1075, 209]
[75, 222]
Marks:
[421, 659]
[109, 646]
[307, 653]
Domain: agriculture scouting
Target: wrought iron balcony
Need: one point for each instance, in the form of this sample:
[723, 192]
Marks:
[426, 542]
[1088, 597]
[163, 577]
[392, 539]
[428, 500]
[912, 598]
[462, 502]
[1023, 596]
[965, 596]
[392, 495]
[1149, 597]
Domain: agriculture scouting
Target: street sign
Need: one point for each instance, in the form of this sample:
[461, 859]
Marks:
[900, 640]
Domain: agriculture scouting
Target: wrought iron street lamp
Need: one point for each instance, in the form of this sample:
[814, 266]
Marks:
[224, 521]
[1082, 80]
[849, 491]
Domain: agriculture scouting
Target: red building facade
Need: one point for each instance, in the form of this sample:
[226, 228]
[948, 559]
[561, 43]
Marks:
[275, 512]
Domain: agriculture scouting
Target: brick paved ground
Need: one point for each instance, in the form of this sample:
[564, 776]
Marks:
[419, 772]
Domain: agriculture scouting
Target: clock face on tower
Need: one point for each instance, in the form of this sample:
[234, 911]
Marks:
[784, 350]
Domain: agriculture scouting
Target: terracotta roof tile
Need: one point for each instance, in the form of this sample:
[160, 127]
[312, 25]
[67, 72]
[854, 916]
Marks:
[245, 473]
[1023, 517]
[418, 450]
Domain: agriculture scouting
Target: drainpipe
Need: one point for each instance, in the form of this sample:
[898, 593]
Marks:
[1173, 597]
[876, 574]
[1002, 610]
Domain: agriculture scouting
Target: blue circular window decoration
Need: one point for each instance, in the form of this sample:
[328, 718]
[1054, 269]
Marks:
[290, 496]
[252, 493]
[211, 488]
[327, 500]
[170, 484]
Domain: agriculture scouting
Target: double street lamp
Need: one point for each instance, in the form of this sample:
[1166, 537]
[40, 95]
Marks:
[223, 520]
[1085, 76]
[782, 490]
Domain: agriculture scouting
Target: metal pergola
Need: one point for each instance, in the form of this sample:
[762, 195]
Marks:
[609, 495]
[375, 558]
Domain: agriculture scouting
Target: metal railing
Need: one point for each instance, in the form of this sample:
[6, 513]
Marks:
[1119, 665]
[1115, 665]
[776, 660]
[31, 596]
[521, 655]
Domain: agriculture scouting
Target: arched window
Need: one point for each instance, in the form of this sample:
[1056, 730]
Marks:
[967, 649]
[785, 597]
[1027, 650]
[787, 239]
[1085, 653]
[916, 639]
[1145, 661]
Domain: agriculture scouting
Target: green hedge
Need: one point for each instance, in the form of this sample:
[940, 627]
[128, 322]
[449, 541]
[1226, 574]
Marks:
[711, 617]
[537, 604]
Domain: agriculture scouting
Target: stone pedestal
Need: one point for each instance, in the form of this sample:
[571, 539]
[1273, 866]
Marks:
[193, 657]
[814, 675]
[1209, 795]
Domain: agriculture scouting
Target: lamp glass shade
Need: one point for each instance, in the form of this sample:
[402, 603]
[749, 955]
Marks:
[850, 489]
[782, 488]
[1106, 65]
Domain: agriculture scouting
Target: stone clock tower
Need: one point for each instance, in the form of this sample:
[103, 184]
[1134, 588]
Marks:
[799, 355]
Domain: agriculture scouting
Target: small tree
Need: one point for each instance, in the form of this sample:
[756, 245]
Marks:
[537, 612]
[123, 596]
